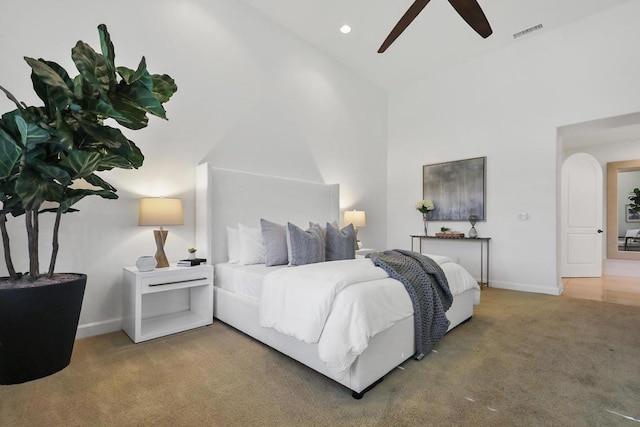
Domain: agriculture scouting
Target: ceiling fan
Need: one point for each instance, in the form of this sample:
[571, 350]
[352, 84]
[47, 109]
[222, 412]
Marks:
[469, 10]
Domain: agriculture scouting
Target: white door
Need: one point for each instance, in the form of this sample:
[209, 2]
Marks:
[581, 219]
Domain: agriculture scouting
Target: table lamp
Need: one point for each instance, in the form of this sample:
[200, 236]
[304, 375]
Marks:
[358, 219]
[160, 211]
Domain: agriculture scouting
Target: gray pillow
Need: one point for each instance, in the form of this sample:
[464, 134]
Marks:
[340, 243]
[274, 238]
[305, 247]
[324, 230]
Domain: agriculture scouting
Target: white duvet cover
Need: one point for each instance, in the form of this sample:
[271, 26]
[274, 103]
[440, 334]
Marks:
[342, 304]
[297, 300]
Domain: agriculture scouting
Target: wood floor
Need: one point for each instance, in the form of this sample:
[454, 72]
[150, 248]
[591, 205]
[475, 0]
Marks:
[614, 289]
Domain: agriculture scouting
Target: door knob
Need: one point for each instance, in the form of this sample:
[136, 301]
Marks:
[600, 231]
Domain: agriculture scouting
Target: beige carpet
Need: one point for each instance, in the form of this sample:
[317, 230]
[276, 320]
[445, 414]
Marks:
[525, 359]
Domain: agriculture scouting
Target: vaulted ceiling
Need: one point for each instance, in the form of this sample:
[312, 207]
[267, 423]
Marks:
[436, 39]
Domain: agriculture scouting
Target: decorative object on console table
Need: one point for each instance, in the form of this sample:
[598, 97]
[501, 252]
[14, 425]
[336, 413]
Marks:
[160, 211]
[473, 233]
[358, 219]
[424, 207]
[450, 235]
[191, 253]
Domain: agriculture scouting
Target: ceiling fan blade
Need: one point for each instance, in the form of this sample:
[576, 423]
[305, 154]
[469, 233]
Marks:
[472, 13]
[403, 23]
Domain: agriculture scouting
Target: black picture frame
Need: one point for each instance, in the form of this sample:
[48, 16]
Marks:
[457, 189]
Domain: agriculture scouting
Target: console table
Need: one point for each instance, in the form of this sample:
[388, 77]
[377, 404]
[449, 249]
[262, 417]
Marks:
[484, 241]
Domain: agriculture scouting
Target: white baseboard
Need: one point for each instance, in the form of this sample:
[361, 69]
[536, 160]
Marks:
[523, 287]
[98, 328]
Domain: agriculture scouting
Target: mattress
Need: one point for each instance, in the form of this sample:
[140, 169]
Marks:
[247, 280]
[244, 280]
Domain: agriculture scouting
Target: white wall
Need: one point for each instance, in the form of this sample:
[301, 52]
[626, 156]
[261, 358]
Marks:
[507, 106]
[251, 96]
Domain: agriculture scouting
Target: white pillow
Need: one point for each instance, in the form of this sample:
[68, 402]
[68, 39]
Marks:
[251, 248]
[233, 245]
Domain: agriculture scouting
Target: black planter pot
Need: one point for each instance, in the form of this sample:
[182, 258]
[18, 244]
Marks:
[38, 328]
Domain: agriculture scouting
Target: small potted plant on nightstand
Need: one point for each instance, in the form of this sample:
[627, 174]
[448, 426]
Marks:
[191, 253]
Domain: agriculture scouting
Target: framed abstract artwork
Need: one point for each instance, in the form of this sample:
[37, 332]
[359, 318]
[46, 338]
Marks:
[632, 216]
[457, 189]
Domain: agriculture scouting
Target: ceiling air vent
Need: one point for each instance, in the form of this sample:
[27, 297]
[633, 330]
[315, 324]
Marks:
[527, 31]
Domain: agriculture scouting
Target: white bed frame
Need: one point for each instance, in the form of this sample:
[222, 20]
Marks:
[226, 198]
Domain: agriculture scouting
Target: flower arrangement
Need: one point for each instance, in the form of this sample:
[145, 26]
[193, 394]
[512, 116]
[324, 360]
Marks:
[425, 206]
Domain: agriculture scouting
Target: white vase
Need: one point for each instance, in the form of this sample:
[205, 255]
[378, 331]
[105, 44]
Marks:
[191, 255]
[146, 263]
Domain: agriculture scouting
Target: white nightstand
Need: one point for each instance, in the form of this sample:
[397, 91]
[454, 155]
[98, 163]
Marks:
[162, 285]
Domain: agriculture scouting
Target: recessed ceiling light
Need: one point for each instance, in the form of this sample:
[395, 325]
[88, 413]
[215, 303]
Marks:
[345, 29]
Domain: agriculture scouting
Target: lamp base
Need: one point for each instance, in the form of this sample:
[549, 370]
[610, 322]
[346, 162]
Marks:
[161, 257]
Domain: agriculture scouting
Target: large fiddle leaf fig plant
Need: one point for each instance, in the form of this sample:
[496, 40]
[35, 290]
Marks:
[50, 156]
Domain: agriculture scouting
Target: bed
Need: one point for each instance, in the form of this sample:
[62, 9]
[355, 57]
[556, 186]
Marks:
[226, 198]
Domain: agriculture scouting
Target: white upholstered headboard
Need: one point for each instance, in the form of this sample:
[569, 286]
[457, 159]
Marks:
[227, 197]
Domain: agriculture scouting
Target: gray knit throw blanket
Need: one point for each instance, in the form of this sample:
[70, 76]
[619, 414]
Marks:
[428, 288]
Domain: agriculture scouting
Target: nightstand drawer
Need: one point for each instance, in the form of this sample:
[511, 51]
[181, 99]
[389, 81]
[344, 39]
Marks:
[173, 281]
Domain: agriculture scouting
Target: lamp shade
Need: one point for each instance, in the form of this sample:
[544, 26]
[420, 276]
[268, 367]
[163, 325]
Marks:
[357, 218]
[160, 211]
